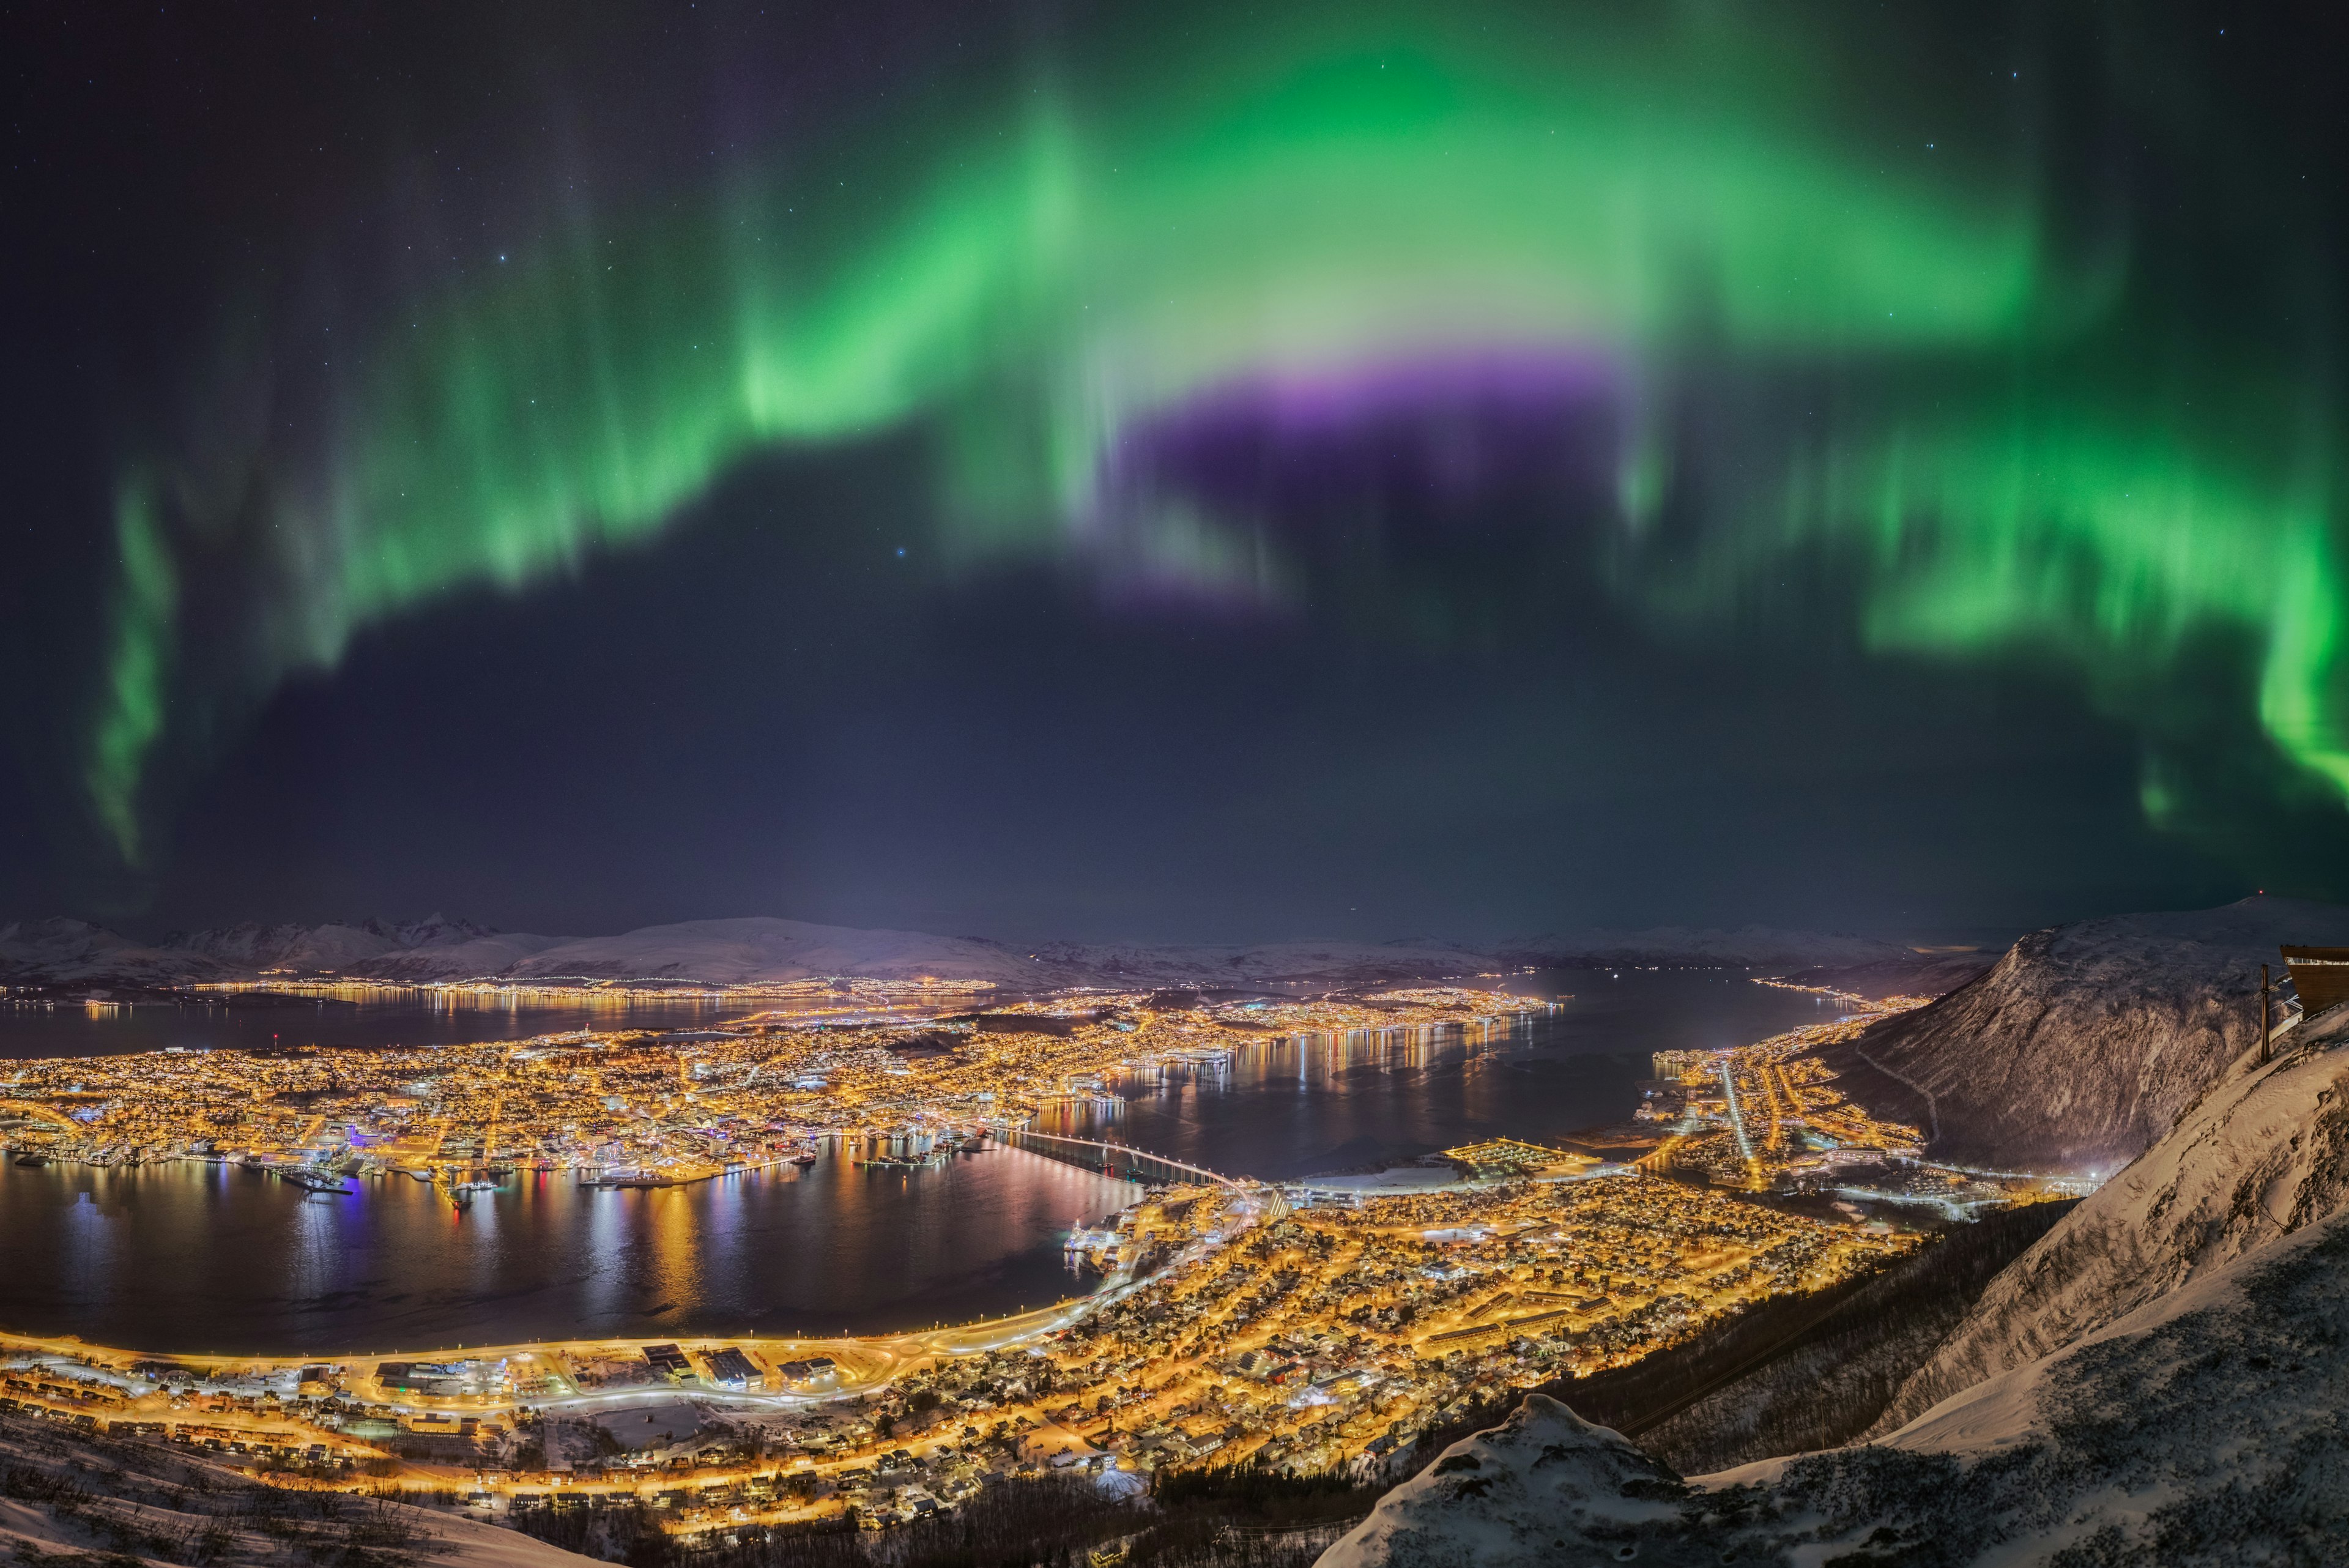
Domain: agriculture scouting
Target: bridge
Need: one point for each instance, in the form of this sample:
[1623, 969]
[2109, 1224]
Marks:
[1131, 1164]
[1112, 1158]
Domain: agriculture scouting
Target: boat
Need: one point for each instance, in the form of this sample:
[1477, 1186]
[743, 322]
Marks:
[478, 1184]
[315, 1181]
[32, 1161]
[627, 1179]
[804, 1160]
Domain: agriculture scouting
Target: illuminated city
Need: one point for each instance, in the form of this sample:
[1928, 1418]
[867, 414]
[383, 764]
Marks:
[1357, 783]
[1317, 1326]
[659, 1109]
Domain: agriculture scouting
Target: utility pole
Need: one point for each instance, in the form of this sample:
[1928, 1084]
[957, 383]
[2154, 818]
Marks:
[2263, 1015]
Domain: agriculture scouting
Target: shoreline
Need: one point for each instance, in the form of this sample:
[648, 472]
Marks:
[950, 1339]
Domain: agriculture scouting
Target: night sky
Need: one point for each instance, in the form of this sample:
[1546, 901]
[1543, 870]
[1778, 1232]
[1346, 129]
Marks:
[1173, 471]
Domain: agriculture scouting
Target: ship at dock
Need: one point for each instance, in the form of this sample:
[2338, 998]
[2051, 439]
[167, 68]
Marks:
[627, 1180]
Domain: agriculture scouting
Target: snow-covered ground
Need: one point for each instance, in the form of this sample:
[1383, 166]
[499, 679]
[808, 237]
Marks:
[121, 1503]
[2263, 1154]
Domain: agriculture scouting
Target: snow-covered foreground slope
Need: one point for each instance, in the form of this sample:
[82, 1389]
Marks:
[2263, 1154]
[2080, 1047]
[119, 1504]
[2203, 1428]
[1544, 1487]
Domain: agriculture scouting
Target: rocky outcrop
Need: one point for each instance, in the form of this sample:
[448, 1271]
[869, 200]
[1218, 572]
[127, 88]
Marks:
[1544, 1488]
[339, 947]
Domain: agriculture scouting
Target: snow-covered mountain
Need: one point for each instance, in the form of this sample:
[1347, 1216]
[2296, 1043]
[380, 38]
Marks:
[761, 950]
[336, 947]
[2083, 1042]
[2202, 1429]
[1748, 946]
[1113, 963]
[63, 951]
[485, 954]
[2263, 1154]
[1930, 972]
[2159, 1381]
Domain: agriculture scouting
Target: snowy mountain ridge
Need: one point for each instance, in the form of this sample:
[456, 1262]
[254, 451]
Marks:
[762, 949]
[333, 946]
[2080, 1047]
[2264, 1154]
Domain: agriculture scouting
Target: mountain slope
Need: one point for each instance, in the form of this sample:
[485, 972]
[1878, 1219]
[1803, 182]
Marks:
[2080, 1047]
[2179, 1358]
[63, 951]
[1341, 964]
[1923, 973]
[96, 1501]
[2264, 1154]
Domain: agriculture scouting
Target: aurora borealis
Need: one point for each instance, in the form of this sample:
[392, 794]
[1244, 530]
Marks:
[1850, 331]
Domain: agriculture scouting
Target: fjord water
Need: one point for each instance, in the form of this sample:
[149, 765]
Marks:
[1304, 1106]
[199, 1257]
[400, 1017]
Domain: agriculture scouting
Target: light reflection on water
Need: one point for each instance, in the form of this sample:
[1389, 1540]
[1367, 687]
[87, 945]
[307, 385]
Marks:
[202, 1257]
[414, 1018]
[199, 1257]
[1294, 1107]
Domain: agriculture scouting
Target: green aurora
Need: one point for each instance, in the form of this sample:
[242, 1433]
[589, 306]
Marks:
[1034, 281]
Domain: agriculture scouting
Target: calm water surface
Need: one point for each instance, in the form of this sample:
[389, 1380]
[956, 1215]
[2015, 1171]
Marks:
[1309, 1107]
[196, 1257]
[416, 1018]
